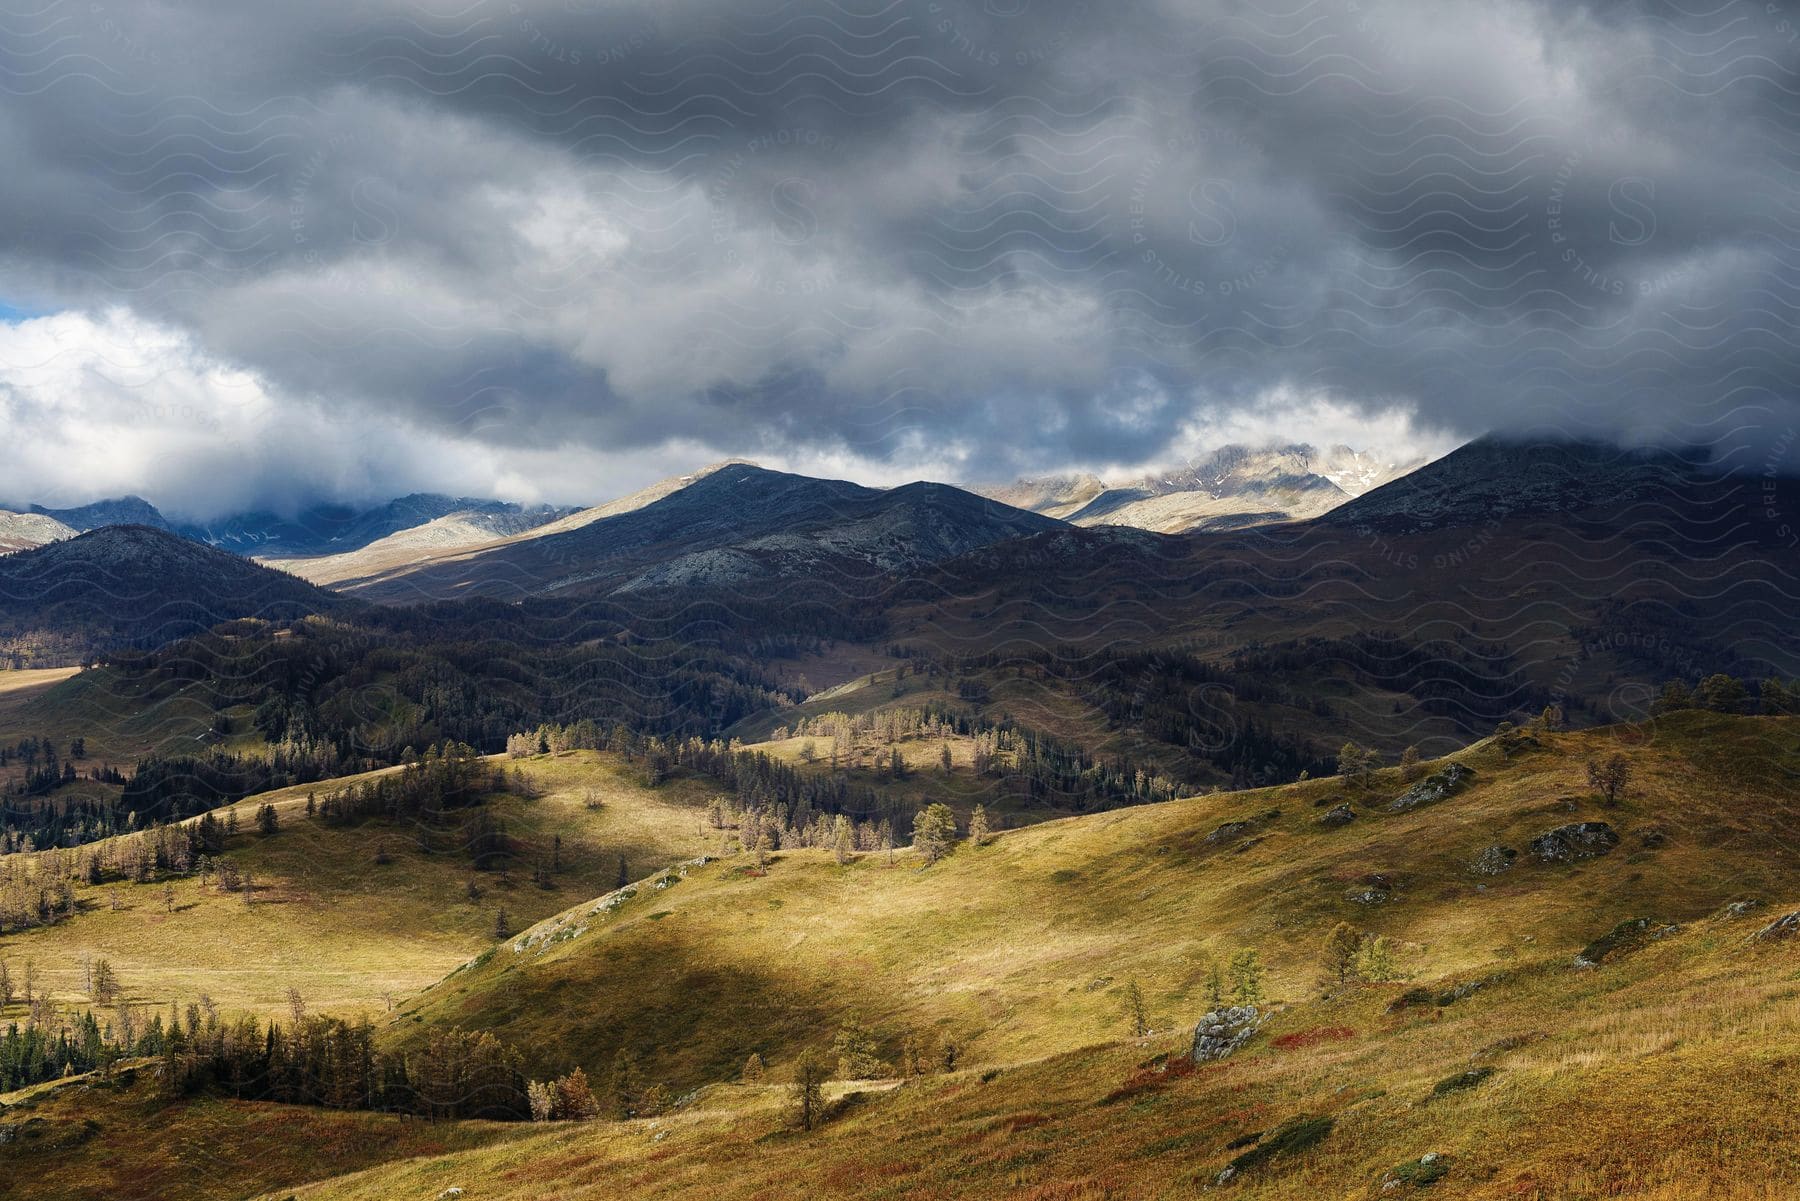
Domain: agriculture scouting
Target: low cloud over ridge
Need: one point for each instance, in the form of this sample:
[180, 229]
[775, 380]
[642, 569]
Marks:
[564, 248]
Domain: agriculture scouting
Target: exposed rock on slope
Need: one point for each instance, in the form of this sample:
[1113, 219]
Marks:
[1233, 488]
[22, 531]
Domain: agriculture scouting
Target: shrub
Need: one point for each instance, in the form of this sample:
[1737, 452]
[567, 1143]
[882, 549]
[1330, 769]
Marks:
[1462, 1081]
[1297, 1134]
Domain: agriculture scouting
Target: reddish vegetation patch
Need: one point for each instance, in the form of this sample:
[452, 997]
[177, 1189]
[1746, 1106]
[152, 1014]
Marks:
[1313, 1037]
[1151, 1080]
[1026, 1121]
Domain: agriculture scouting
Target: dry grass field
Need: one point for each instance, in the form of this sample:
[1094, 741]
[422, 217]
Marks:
[1665, 1072]
[348, 932]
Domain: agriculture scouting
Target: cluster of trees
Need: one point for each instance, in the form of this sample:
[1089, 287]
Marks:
[1199, 709]
[308, 1060]
[33, 1052]
[160, 790]
[566, 1098]
[1723, 693]
[329, 1062]
[355, 695]
[1352, 956]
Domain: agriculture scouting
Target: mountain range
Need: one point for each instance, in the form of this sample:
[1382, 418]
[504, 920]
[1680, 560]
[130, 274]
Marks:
[1233, 488]
[316, 530]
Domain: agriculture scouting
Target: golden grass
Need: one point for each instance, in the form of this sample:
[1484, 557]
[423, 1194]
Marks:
[1667, 1073]
[346, 932]
[1028, 943]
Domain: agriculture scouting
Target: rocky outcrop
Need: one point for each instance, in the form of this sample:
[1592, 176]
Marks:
[1223, 1031]
[1340, 815]
[1578, 840]
[1432, 789]
[1784, 927]
[1376, 888]
[1493, 861]
[1623, 939]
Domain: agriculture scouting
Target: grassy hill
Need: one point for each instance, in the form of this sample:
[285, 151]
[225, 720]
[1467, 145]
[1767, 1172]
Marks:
[1661, 1073]
[346, 931]
[1026, 945]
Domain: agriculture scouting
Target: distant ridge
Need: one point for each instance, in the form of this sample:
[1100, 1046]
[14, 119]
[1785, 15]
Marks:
[1496, 477]
[1235, 487]
[135, 585]
[730, 524]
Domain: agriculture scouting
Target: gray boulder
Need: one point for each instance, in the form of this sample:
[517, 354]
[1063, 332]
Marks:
[1340, 815]
[1578, 840]
[1223, 1031]
[1493, 861]
[1432, 788]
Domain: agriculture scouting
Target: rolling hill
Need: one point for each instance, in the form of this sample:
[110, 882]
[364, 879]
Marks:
[134, 585]
[734, 526]
[1642, 970]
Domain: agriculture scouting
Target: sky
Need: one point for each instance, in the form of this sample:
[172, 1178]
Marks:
[255, 255]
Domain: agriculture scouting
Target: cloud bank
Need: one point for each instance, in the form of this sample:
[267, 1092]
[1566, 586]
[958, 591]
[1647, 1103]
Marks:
[554, 250]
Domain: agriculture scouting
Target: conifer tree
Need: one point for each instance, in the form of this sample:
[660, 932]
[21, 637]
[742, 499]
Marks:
[1247, 978]
[625, 1085]
[934, 831]
[1409, 764]
[1134, 1009]
[574, 1098]
[978, 826]
[1342, 945]
[808, 1090]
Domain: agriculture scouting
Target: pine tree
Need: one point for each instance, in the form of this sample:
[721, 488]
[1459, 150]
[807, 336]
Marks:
[105, 985]
[502, 927]
[625, 1085]
[1409, 764]
[1342, 945]
[808, 1090]
[1215, 985]
[978, 826]
[574, 1098]
[266, 821]
[1134, 1009]
[856, 1052]
[1355, 763]
[1247, 978]
[946, 760]
[753, 1069]
[1377, 963]
[934, 831]
[541, 1097]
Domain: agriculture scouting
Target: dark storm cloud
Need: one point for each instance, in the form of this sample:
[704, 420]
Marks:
[950, 235]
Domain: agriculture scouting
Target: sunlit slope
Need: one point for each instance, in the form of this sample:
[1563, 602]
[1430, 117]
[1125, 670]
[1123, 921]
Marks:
[1023, 948]
[348, 931]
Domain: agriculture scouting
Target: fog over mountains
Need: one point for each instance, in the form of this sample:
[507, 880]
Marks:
[1231, 488]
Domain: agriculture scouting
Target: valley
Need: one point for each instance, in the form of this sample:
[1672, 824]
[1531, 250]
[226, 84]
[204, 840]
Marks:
[1483, 807]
